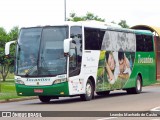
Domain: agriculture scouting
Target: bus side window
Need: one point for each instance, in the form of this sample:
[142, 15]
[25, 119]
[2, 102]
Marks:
[139, 43]
[144, 43]
[148, 43]
[93, 38]
[75, 58]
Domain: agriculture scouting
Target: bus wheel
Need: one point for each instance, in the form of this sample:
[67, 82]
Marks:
[129, 91]
[89, 93]
[137, 89]
[44, 99]
[103, 93]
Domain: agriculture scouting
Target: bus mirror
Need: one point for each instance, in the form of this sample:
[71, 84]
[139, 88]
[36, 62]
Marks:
[7, 47]
[67, 43]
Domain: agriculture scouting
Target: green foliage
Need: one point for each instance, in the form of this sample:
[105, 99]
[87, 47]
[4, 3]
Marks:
[8, 90]
[113, 22]
[123, 24]
[13, 34]
[75, 18]
[91, 16]
[6, 63]
[3, 62]
[3, 39]
[88, 16]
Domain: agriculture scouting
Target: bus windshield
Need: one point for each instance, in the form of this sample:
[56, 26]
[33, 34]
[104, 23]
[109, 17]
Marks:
[40, 51]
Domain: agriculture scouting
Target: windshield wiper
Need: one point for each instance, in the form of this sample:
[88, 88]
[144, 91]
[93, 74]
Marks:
[31, 70]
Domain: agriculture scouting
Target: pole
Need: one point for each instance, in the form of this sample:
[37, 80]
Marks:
[64, 10]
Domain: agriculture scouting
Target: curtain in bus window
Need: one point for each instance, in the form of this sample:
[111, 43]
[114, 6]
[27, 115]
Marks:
[114, 41]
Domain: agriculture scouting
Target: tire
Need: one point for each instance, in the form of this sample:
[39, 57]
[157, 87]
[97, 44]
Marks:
[129, 91]
[89, 93]
[103, 93]
[138, 88]
[44, 99]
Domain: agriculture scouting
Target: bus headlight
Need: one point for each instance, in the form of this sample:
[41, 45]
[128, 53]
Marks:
[19, 82]
[60, 81]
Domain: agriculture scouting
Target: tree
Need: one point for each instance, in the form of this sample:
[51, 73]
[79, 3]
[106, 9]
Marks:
[113, 22]
[88, 16]
[123, 24]
[74, 17]
[3, 39]
[5, 63]
[13, 34]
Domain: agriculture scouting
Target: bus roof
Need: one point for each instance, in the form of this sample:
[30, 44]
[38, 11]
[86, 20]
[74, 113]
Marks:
[98, 24]
[92, 23]
[147, 32]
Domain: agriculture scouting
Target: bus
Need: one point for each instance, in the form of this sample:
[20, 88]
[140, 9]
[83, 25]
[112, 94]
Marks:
[81, 59]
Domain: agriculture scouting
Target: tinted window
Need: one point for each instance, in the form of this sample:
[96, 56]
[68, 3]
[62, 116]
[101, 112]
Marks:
[144, 43]
[93, 38]
[75, 51]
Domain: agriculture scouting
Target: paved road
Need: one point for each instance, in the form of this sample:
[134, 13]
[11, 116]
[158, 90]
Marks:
[116, 101]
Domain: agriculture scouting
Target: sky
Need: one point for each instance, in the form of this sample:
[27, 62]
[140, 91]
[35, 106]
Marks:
[24, 13]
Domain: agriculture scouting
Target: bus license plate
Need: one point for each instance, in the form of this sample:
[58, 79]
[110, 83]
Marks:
[38, 90]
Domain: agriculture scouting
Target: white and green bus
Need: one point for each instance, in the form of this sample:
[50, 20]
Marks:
[82, 58]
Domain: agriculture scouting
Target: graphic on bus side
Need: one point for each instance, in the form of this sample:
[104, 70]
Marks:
[116, 60]
[114, 69]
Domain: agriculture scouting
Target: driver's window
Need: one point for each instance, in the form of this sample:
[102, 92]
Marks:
[73, 59]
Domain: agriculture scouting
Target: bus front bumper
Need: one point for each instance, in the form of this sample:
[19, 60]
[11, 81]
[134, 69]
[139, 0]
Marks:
[60, 89]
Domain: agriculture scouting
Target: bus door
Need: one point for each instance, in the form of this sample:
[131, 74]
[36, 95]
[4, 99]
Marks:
[75, 60]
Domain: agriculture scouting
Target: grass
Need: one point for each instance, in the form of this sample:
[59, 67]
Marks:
[7, 90]
[10, 76]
